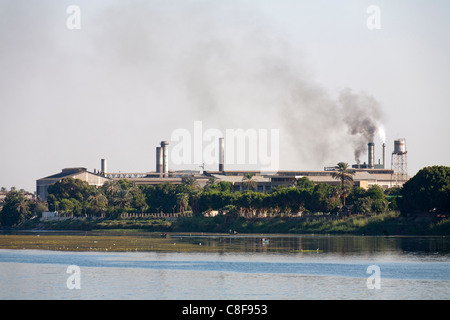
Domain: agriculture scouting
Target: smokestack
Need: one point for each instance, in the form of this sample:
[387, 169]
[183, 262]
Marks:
[103, 167]
[165, 152]
[371, 163]
[221, 154]
[384, 156]
[159, 160]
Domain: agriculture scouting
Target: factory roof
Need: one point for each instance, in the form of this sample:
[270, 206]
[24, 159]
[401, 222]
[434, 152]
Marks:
[67, 172]
[363, 175]
[384, 176]
[237, 179]
[145, 180]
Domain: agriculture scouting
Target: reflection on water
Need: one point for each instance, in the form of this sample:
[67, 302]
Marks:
[330, 244]
[178, 242]
[235, 267]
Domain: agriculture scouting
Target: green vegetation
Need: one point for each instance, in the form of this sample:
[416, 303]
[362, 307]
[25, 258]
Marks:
[346, 177]
[15, 210]
[390, 223]
[300, 208]
[383, 224]
[117, 241]
[427, 192]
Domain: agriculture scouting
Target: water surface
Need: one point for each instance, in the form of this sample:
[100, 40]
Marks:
[230, 267]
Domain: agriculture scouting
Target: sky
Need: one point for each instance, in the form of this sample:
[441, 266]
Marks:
[114, 78]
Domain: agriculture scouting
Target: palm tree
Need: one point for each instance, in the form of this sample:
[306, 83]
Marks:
[23, 209]
[97, 202]
[182, 201]
[110, 188]
[191, 183]
[122, 198]
[248, 181]
[211, 182]
[345, 175]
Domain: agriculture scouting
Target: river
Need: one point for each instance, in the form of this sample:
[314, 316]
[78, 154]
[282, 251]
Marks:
[229, 267]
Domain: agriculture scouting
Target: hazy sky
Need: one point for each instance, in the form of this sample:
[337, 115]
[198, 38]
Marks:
[136, 71]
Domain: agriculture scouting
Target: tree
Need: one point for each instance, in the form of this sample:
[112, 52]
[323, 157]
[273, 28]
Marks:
[124, 195]
[345, 176]
[71, 188]
[305, 183]
[66, 206]
[379, 202]
[289, 199]
[97, 203]
[182, 201]
[427, 191]
[248, 201]
[225, 186]
[37, 208]
[138, 198]
[109, 189]
[357, 193]
[212, 182]
[392, 195]
[363, 205]
[74, 192]
[122, 199]
[191, 183]
[376, 192]
[248, 181]
[380, 205]
[16, 209]
[322, 199]
[344, 191]
[162, 197]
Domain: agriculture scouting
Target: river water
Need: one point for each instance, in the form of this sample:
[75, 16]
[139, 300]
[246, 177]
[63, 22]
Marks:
[237, 267]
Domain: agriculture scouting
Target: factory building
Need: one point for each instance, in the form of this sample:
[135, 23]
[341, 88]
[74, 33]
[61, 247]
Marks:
[363, 178]
[366, 175]
[95, 179]
[154, 178]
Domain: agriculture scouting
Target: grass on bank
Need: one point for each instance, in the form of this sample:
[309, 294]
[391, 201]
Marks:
[126, 242]
[383, 224]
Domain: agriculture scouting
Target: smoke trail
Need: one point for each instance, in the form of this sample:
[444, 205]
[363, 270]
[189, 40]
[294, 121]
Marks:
[256, 78]
[382, 133]
[363, 115]
[230, 68]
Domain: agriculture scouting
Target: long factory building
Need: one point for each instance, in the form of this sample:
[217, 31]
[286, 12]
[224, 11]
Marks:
[365, 175]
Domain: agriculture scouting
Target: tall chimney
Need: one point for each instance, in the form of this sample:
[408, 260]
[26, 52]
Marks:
[165, 152]
[103, 167]
[371, 163]
[221, 154]
[384, 156]
[159, 160]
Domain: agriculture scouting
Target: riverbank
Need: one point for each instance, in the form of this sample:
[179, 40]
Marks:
[383, 224]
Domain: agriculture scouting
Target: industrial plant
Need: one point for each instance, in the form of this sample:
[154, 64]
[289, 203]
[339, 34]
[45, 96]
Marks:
[366, 174]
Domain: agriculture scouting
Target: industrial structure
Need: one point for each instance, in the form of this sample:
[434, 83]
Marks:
[221, 154]
[365, 175]
[399, 162]
[371, 159]
[93, 178]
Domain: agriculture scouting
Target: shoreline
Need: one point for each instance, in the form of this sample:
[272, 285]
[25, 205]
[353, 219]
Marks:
[390, 223]
[179, 242]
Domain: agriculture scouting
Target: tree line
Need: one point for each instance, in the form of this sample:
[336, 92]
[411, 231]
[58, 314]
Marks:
[115, 197]
[427, 191]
